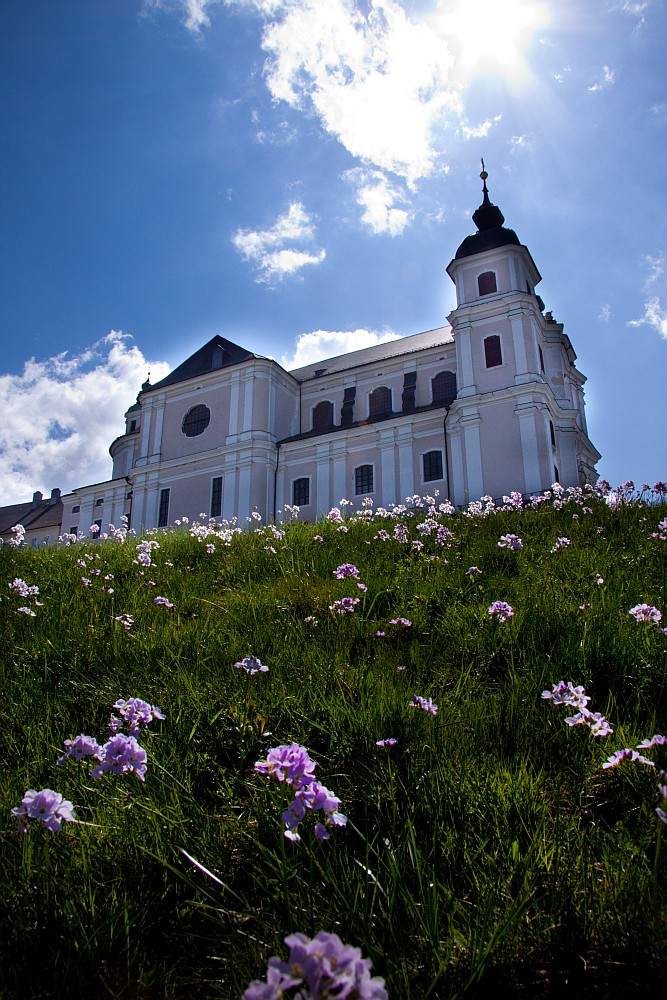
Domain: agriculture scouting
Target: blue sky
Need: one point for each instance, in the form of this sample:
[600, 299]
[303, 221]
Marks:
[296, 175]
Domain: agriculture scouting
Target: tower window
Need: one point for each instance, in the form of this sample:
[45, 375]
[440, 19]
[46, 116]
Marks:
[553, 434]
[539, 351]
[163, 512]
[486, 282]
[76, 508]
[443, 388]
[492, 351]
[133, 426]
[196, 421]
[301, 492]
[323, 416]
[216, 496]
[379, 402]
[556, 476]
[432, 462]
[363, 479]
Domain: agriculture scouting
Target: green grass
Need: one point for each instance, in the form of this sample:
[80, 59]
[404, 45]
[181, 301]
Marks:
[487, 851]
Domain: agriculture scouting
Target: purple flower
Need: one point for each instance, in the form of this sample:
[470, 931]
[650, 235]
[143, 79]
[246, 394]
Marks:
[627, 754]
[401, 667]
[405, 622]
[121, 755]
[598, 725]
[655, 741]
[135, 713]
[389, 742]
[473, 571]
[291, 764]
[646, 613]
[127, 621]
[48, 806]
[345, 605]
[561, 543]
[252, 665]
[512, 542]
[426, 704]
[163, 601]
[79, 748]
[345, 570]
[567, 694]
[501, 610]
[325, 966]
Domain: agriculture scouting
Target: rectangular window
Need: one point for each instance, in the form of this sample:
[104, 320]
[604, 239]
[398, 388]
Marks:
[216, 496]
[363, 479]
[301, 492]
[74, 530]
[76, 509]
[99, 502]
[492, 351]
[432, 466]
[163, 513]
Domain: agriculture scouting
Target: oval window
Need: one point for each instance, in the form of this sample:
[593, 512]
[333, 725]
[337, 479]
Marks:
[196, 421]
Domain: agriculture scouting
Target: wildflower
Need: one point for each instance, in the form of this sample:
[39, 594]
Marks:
[599, 580]
[48, 806]
[426, 704]
[291, 764]
[27, 611]
[210, 548]
[345, 570]
[561, 543]
[20, 587]
[404, 622]
[79, 748]
[512, 542]
[121, 755]
[380, 634]
[473, 571]
[627, 754]
[318, 538]
[163, 601]
[86, 581]
[127, 621]
[655, 741]
[252, 665]
[646, 613]
[598, 725]
[311, 620]
[135, 713]
[345, 605]
[389, 742]
[362, 587]
[401, 667]
[584, 607]
[502, 610]
[324, 966]
[567, 694]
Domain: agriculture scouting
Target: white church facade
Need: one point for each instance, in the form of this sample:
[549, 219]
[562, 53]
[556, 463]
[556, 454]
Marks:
[489, 404]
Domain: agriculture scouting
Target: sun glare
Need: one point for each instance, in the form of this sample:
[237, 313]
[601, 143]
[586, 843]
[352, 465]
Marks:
[490, 36]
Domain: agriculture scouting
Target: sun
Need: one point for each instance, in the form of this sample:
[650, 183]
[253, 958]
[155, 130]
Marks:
[490, 36]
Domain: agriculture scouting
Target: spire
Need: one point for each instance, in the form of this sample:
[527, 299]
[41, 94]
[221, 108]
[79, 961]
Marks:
[487, 216]
[147, 383]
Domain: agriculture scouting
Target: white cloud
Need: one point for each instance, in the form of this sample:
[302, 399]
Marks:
[478, 131]
[195, 12]
[322, 344]
[266, 249]
[605, 82]
[655, 315]
[378, 83]
[377, 196]
[605, 313]
[48, 437]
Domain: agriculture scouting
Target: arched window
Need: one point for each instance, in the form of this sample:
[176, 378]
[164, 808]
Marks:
[323, 416]
[443, 388]
[196, 421]
[492, 351]
[363, 479]
[301, 492]
[379, 401]
[432, 462]
[486, 282]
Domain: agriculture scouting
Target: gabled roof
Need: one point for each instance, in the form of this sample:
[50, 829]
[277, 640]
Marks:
[218, 353]
[33, 514]
[379, 352]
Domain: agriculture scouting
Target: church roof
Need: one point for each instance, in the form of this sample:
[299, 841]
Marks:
[216, 354]
[491, 233]
[37, 513]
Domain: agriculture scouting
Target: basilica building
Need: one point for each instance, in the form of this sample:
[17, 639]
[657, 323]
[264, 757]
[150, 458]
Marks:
[489, 404]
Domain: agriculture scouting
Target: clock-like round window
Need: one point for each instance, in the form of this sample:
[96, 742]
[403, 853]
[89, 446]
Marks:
[196, 421]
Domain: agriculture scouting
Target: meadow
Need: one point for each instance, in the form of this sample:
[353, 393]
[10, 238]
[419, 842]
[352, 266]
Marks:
[469, 840]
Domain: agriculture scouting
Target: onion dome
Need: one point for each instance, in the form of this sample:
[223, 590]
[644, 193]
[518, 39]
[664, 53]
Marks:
[491, 233]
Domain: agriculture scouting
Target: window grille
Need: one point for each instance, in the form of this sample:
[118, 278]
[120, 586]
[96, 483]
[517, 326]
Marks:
[216, 496]
[432, 466]
[301, 492]
[163, 513]
[363, 479]
[443, 388]
[196, 420]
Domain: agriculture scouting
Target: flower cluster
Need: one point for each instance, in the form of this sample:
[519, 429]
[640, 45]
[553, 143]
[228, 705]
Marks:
[345, 605]
[627, 754]
[512, 542]
[48, 806]
[646, 613]
[121, 754]
[127, 621]
[662, 788]
[18, 538]
[252, 665]
[324, 967]
[345, 570]
[575, 697]
[661, 533]
[561, 543]
[27, 592]
[145, 551]
[403, 622]
[164, 602]
[389, 742]
[501, 610]
[293, 765]
[427, 704]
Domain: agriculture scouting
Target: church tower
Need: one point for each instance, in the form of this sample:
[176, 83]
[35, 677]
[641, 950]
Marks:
[519, 414]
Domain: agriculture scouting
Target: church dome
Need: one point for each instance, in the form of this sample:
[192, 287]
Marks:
[491, 233]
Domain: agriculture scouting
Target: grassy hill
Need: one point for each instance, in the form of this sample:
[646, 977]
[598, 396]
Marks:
[487, 849]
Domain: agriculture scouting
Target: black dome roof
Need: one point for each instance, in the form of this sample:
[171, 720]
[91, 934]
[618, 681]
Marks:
[491, 233]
